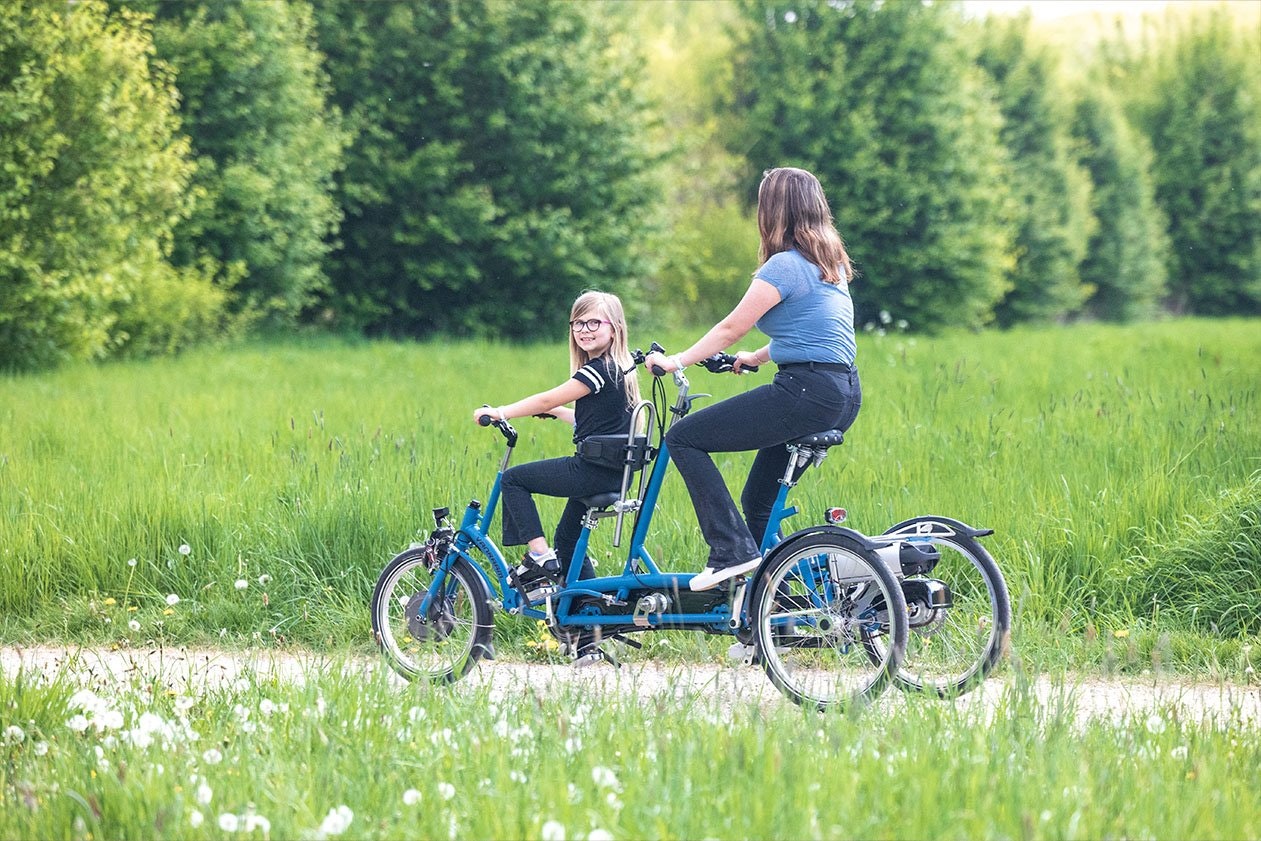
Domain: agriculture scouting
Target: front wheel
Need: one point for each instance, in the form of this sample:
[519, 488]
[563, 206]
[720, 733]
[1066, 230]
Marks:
[953, 648]
[818, 606]
[440, 642]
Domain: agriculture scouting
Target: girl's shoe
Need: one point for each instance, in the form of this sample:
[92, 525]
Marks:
[535, 575]
[711, 576]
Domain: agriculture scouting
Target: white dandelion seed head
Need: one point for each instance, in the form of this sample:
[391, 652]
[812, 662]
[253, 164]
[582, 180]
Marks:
[14, 735]
[241, 584]
[195, 819]
[411, 797]
[337, 821]
[134, 625]
[446, 791]
[553, 831]
[229, 822]
[172, 600]
[185, 549]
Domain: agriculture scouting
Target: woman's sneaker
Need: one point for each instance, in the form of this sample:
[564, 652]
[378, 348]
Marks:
[711, 576]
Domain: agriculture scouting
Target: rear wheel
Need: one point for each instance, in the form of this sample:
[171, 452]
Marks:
[819, 604]
[952, 649]
[440, 642]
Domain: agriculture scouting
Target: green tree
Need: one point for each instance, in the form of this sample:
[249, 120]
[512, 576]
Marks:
[883, 101]
[1051, 190]
[93, 177]
[254, 101]
[1196, 93]
[499, 163]
[1126, 261]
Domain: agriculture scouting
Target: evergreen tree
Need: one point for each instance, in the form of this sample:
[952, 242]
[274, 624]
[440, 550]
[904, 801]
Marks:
[254, 102]
[1196, 94]
[93, 177]
[883, 101]
[1051, 190]
[498, 167]
[1126, 261]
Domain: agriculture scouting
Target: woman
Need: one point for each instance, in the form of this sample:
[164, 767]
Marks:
[799, 297]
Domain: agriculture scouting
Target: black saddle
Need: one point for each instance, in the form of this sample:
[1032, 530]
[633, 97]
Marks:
[830, 438]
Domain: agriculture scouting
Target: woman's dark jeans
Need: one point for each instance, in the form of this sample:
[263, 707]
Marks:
[568, 476]
[799, 401]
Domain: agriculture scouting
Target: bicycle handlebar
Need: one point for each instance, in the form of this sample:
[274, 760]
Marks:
[719, 363]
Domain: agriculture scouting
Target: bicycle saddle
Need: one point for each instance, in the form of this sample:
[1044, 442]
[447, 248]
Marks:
[601, 500]
[830, 438]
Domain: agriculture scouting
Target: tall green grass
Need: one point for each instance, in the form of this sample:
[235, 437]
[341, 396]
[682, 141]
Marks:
[289, 473]
[331, 757]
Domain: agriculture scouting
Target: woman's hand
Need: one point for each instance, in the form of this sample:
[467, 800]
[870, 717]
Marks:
[666, 364]
[486, 411]
[746, 359]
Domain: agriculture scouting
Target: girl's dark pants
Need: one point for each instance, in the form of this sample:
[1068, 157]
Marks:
[568, 476]
[801, 400]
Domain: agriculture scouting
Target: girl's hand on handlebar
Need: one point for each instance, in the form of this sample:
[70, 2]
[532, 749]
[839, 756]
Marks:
[484, 415]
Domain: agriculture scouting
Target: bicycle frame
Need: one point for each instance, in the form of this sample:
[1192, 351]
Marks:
[716, 611]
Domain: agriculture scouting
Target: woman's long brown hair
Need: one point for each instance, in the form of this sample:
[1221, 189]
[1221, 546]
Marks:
[792, 212]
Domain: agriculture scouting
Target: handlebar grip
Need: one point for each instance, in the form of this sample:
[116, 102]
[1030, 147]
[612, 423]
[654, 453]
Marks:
[658, 371]
[752, 369]
[484, 420]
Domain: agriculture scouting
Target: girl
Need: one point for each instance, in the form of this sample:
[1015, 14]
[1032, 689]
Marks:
[799, 297]
[603, 398]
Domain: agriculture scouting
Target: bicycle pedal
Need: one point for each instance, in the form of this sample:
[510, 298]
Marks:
[635, 644]
[592, 658]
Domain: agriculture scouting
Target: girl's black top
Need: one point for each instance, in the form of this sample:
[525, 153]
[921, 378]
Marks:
[604, 410]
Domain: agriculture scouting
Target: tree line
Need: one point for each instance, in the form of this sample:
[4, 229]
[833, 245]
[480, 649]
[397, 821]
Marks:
[174, 171]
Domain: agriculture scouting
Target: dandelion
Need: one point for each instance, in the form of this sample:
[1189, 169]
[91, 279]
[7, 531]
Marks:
[168, 612]
[253, 822]
[241, 584]
[1121, 633]
[553, 831]
[337, 821]
[446, 791]
[204, 793]
[1155, 724]
[411, 797]
[604, 777]
[41, 748]
[14, 735]
[134, 625]
[132, 562]
[229, 822]
[264, 580]
[185, 549]
[172, 600]
[212, 756]
[109, 602]
[600, 835]
[266, 706]
[78, 723]
[195, 819]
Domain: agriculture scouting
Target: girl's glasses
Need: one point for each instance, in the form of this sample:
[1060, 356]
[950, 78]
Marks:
[589, 324]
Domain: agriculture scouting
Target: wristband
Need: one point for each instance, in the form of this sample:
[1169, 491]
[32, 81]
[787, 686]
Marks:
[678, 363]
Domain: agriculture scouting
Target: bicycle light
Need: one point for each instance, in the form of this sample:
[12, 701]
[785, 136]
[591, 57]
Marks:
[835, 516]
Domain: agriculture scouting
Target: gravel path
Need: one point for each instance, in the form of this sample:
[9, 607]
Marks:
[205, 670]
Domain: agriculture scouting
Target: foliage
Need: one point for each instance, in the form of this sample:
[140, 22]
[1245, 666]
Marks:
[1195, 91]
[883, 102]
[1204, 572]
[94, 179]
[1054, 222]
[498, 166]
[253, 100]
[1126, 262]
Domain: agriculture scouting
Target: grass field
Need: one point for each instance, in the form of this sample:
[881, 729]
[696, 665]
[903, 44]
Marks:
[343, 758]
[253, 493]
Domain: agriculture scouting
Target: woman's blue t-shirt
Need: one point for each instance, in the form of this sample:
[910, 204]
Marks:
[814, 320]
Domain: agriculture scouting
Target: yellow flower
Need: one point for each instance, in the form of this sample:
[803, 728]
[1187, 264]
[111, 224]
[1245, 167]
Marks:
[1121, 633]
[110, 600]
[167, 612]
[132, 609]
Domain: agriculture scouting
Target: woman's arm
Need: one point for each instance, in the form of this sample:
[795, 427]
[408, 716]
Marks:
[544, 401]
[758, 298]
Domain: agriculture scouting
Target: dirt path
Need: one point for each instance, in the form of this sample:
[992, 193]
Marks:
[202, 670]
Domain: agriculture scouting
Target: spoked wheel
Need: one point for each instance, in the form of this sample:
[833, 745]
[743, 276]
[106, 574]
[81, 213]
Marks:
[440, 642]
[953, 648]
[818, 606]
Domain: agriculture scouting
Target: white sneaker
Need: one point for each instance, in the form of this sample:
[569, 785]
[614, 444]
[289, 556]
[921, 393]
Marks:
[711, 577]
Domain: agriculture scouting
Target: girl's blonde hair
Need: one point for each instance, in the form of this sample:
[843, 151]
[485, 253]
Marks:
[603, 305]
[792, 212]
